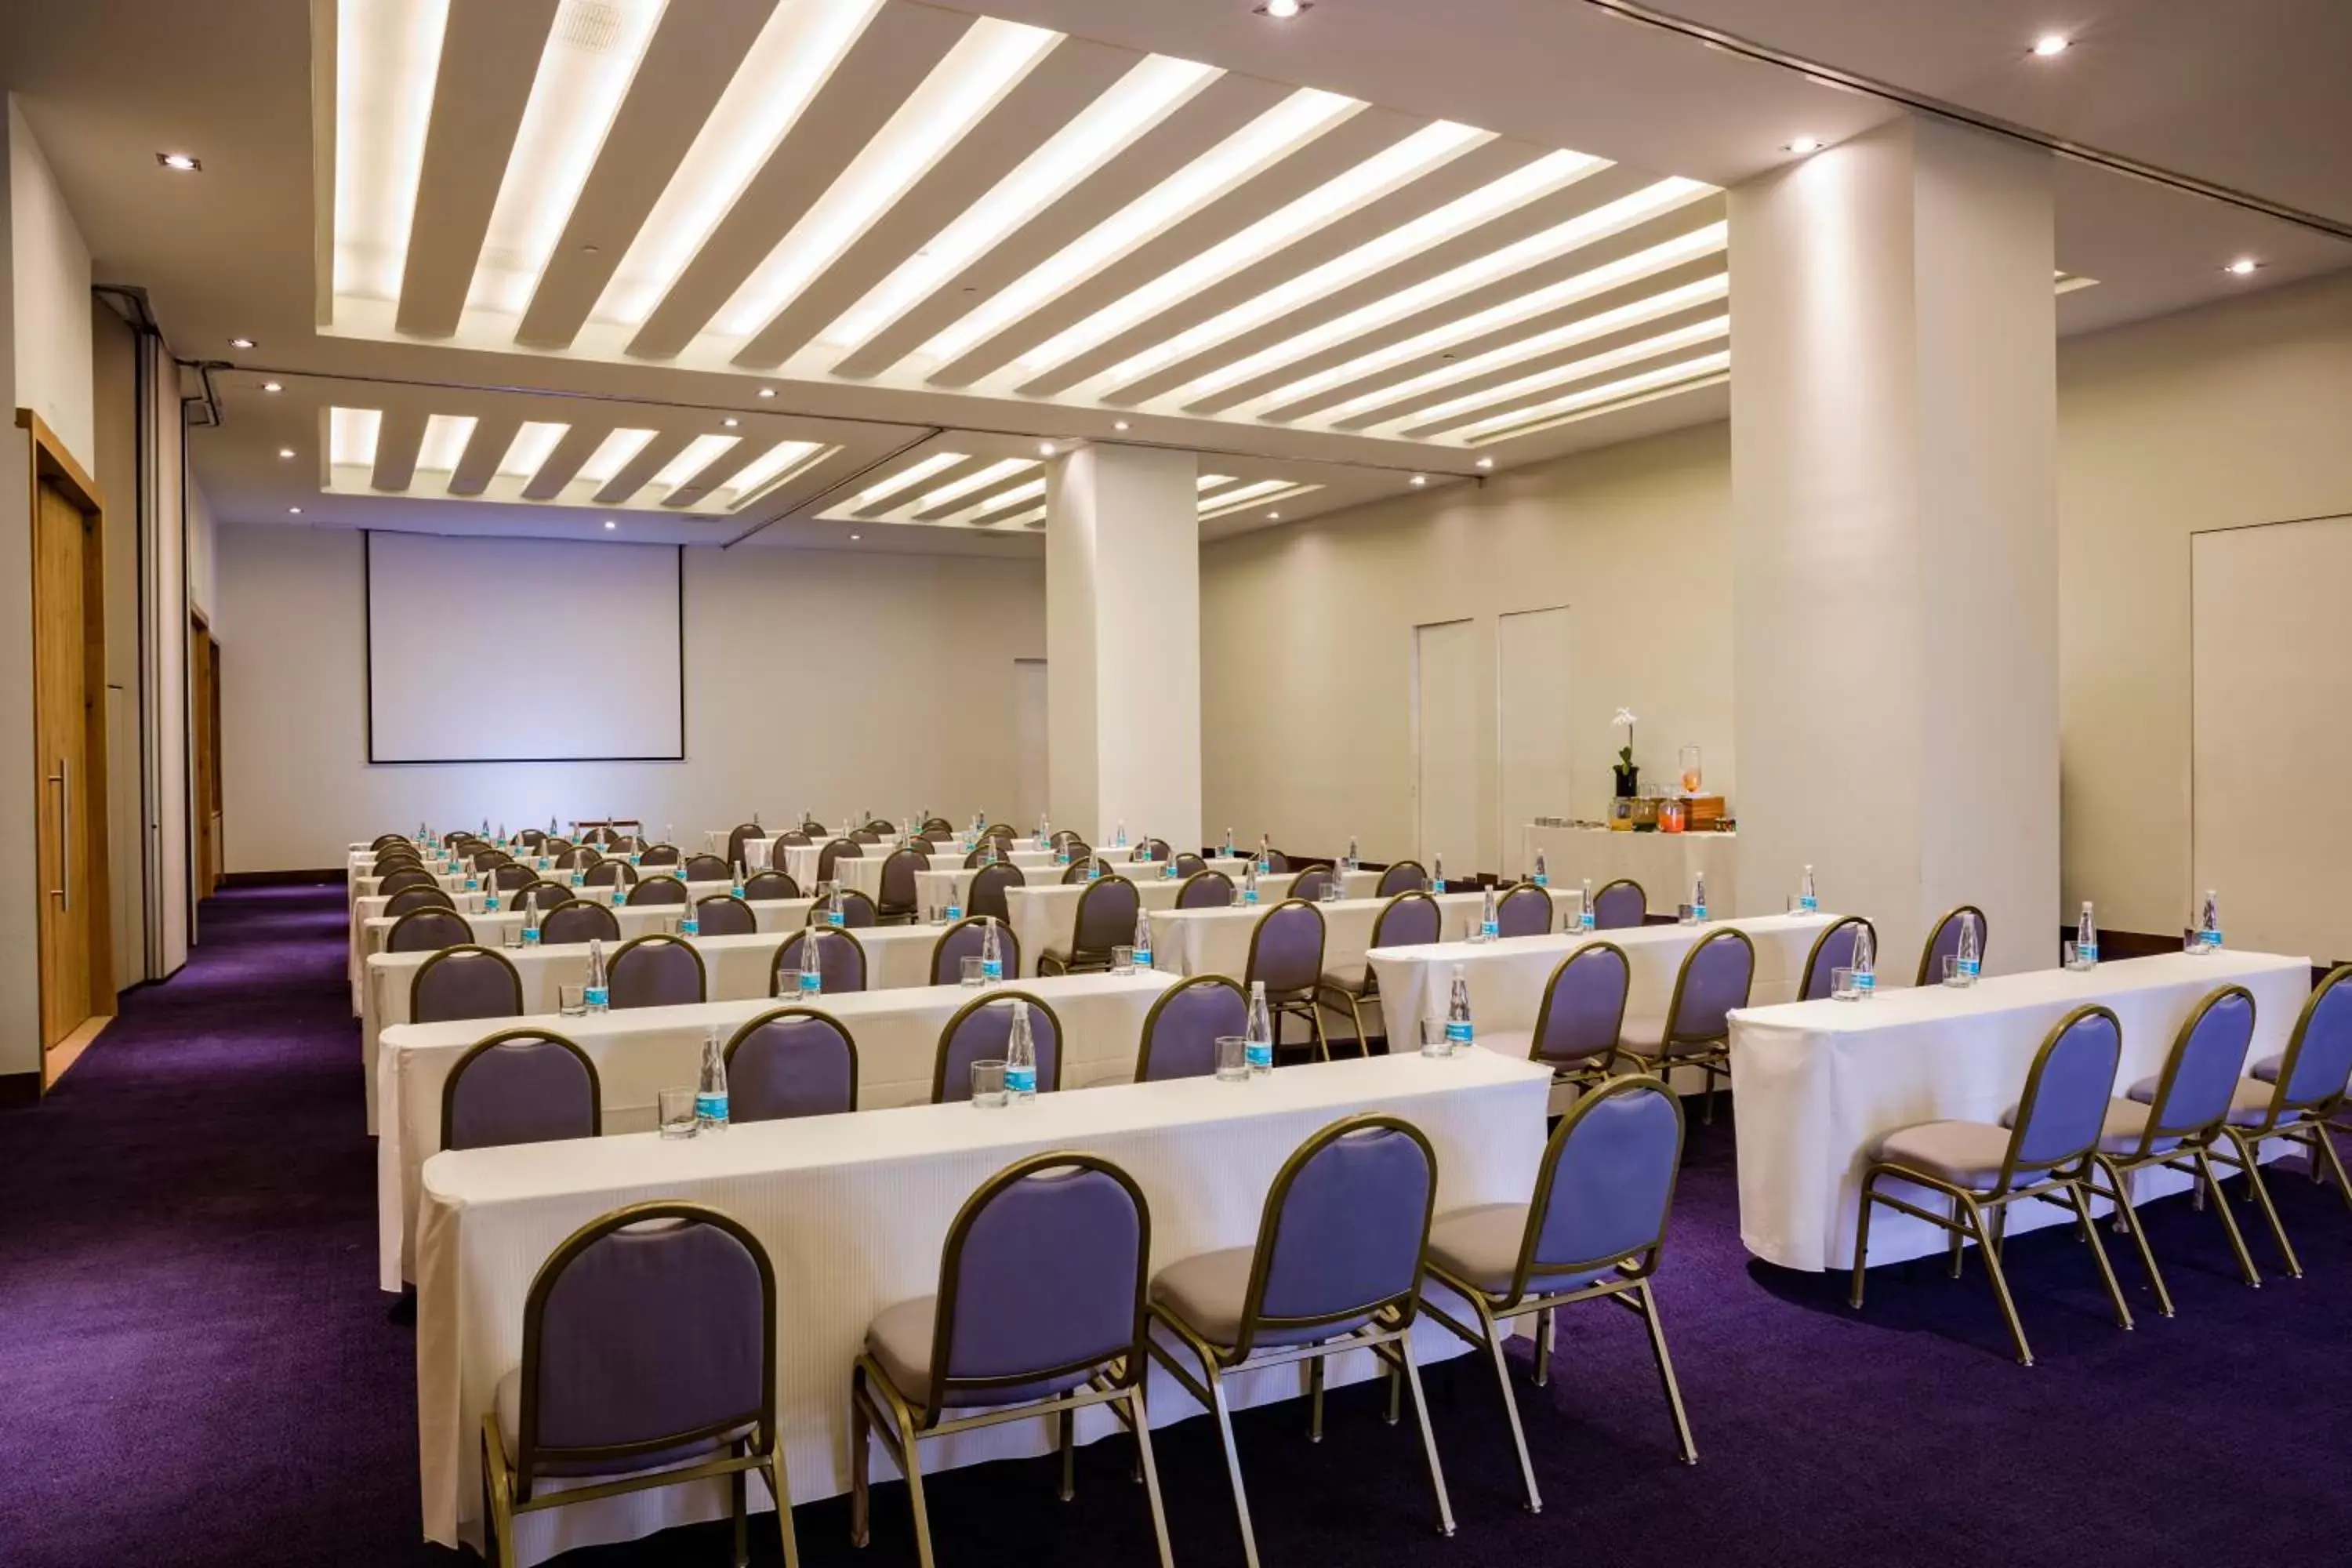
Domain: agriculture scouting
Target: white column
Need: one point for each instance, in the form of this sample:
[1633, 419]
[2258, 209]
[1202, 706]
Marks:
[1892, 425]
[1123, 643]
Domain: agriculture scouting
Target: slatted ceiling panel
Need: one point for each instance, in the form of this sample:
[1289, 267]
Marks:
[489, 55]
[906, 495]
[639, 470]
[931, 506]
[1422, 193]
[1256, 317]
[693, 55]
[1217, 111]
[396, 442]
[715, 473]
[493, 433]
[578, 443]
[1601, 354]
[988, 510]
[1444, 326]
[1604, 370]
[1055, 91]
[890, 59]
[1363, 135]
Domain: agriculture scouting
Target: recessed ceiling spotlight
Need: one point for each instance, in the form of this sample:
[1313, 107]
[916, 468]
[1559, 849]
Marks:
[730, 422]
[766, 392]
[1118, 423]
[271, 386]
[285, 453]
[1420, 478]
[293, 512]
[1801, 145]
[1044, 449]
[1284, 10]
[1274, 517]
[853, 538]
[2243, 267]
[2050, 44]
[187, 164]
[240, 342]
[1486, 462]
[610, 524]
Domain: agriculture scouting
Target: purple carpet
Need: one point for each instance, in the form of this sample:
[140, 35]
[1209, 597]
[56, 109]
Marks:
[196, 1368]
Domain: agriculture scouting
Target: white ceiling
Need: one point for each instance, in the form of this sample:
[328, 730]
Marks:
[1333, 252]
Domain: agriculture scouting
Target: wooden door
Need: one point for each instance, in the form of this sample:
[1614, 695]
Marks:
[61, 544]
[204, 772]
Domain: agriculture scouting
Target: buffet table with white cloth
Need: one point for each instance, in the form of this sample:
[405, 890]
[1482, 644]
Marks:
[640, 1051]
[854, 1209]
[1664, 863]
[1819, 1083]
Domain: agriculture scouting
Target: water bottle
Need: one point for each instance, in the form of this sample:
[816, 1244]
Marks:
[1045, 832]
[490, 894]
[1061, 853]
[812, 963]
[1457, 1015]
[836, 915]
[473, 878]
[1584, 916]
[1698, 897]
[1969, 962]
[1264, 853]
[955, 910]
[531, 920]
[620, 892]
[2209, 924]
[1538, 876]
[551, 827]
[992, 956]
[1437, 873]
[1353, 859]
[579, 875]
[2086, 939]
[735, 887]
[755, 822]
[1249, 882]
[1094, 868]
[710, 1093]
[1229, 843]
[1257, 1033]
[1866, 962]
[1020, 1058]
[486, 827]
[599, 995]
[1119, 836]
[1167, 870]
[1808, 898]
[690, 920]
[1490, 924]
[1142, 939]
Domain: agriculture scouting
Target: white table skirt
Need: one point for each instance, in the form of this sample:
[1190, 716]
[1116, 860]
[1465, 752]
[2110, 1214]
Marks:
[1664, 863]
[370, 924]
[644, 1050]
[1046, 917]
[1217, 941]
[854, 1209]
[1819, 1083]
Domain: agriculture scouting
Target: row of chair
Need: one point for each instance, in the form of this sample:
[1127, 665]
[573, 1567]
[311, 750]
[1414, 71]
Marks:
[1047, 1303]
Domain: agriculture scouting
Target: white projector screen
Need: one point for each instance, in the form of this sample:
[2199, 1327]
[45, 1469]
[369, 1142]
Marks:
[451, 678]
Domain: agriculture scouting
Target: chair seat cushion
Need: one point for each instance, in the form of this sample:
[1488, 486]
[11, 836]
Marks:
[507, 1401]
[1206, 1293]
[2247, 1107]
[900, 1342]
[2267, 1070]
[1641, 1037]
[1356, 980]
[2127, 1120]
[1480, 1246]
[1965, 1153]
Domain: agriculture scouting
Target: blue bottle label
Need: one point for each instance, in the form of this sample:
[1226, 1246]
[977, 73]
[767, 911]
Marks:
[1457, 1031]
[1438, 885]
[1020, 1080]
[620, 896]
[1540, 881]
[1256, 1054]
[2210, 938]
[579, 879]
[710, 1107]
[1489, 929]
[2086, 953]
[1143, 958]
[599, 996]
[1249, 895]
[992, 969]
[690, 927]
[1809, 904]
[1968, 966]
[1168, 871]
[812, 983]
[835, 918]
[544, 862]
[1062, 858]
[636, 859]
[955, 912]
[1865, 982]
[1698, 912]
[1584, 921]
[530, 936]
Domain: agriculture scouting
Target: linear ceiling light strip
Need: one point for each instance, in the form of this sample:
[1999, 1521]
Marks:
[1648, 380]
[1424, 423]
[387, 59]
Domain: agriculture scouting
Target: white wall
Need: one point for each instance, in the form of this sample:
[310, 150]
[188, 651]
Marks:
[51, 296]
[204, 586]
[1307, 637]
[911, 657]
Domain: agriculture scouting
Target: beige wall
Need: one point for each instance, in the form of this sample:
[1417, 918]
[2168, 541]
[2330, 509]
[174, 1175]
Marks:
[51, 296]
[912, 657]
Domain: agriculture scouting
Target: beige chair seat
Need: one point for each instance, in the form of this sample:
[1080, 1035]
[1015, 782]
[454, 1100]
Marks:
[2127, 1120]
[1208, 1291]
[1965, 1153]
[1357, 980]
[2267, 1070]
[1641, 1035]
[1480, 1247]
[2247, 1107]
[900, 1341]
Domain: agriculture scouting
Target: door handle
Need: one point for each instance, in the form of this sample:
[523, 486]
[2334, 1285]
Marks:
[63, 892]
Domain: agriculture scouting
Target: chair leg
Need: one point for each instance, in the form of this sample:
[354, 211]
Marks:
[781, 1485]
[1069, 1441]
[1999, 1277]
[2334, 1163]
[2129, 1216]
[1322, 1042]
[1150, 1472]
[1544, 1343]
[861, 1455]
[1492, 1333]
[1225, 1415]
[1356, 1016]
[2259, 1190]
[1861, 1240]
[738, 1486]
[2229, 1221]
[498, 1518]
[1959, 1248]
[1428, 1435]
[1315, 1399]
[2081, 1190]
[914, 1468]
[1651, 1320]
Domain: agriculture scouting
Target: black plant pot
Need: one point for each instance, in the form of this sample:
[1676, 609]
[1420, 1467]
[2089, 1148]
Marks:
[1629, 781]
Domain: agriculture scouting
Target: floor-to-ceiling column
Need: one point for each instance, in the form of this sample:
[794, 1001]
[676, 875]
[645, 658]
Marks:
[1123, 642]
[1892, 429]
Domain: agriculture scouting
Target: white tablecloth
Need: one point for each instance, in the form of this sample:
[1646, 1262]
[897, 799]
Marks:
[854, 1210]
[1820, 1082]
[643, 1050]
[1046, 915]
[1664, 863]
[370, 924]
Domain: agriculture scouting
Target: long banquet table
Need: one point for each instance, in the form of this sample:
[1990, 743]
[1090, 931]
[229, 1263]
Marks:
[854, 1210]
[639, 1052]
[1819, 1083]
[1664, 863]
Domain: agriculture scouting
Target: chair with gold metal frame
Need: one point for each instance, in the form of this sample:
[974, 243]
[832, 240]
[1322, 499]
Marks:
[705, 869]
[2046, 1153]
[1620, 905]
[1205, 890]
[1285, 955]
[814, 829]
[402, 877]
[835, 851]
[1180, 1031]
[724, 914]
[1154, 850]
[461, 983]
[1084, 868]
[964, 939]
[979, 1031]
[648, 1359]
[987, 885]
[509, 875]
[1944, 942]
[1408, 919]
[607, 873]
[857, 912]
[520, 1086]
[1832, 951]
[841, 960]
[1337, 1266]
[427, 929]
[770, 886]
[935, 825]
[578, 920]
[899, 901]
[1402, 877]
[1105, 919]
[661, 889]
[791, 1061]
[1583, 1016]
[657, 970]
[385, 841]
[408, 898]
[1716, 977]
[1594, 1231]
[1310, 883]
[660, 854]
[1039, 1311]
[739, 835]
[1525, 911]
[1191, 864]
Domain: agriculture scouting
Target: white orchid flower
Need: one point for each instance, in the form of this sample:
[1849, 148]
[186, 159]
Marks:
[1624, 716]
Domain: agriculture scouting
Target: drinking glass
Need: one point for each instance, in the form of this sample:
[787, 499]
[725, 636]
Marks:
[1232, 1058]
[1684, 915]
[1842, 986]
[510, 936]
[1122, 960]
[571, 1001]
[676, 1112]
[2069, 956]
[976, 973]
[1433, 1038]
[988, 1082]
[1952, 976]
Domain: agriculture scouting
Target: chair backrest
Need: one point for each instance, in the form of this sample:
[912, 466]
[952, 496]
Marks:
[2318, 1059]
[2065, 1107]
[1180, 1031]
[1404, 877]
[987, 885]
[723, 914]
[1062, 836]
[1085, 868]
[487, 858]
[814, 829]
[397, 860]
[2200, 1072]
[464, 983]
[1153, 849]
[1042, 1278]
[1944, 943]
[427, 929]
[1286, 948]
[648, 1330]
[660, 854]
[1525, 911]
[657, 970]
[791, 1061]
[577, 919]
[742, 833]
[858, 911]
[1409, 919]
[1606, 1184]
[797, 838]
[1715, 977]
[963, 941]
[532, 837]
[979, 1031]
[1343, 1231]
[664, 890]
[402, 877]
[549, 894]
[842, 958]
[577, 858]
[1309, 884]
[408, 898]
[1620, 905]
[1583, 1010]
[520, 1086]
[864, 837]
[511, 875]
[770, 886]
[1106, 916]
[605, 873]
[898, 879]
[553, 847]
[387, 840]
[709, 869]
[938, 826]
[832, 853]
[980, 855]
[1204, 890]
[1189, 864]
[1833, 951]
